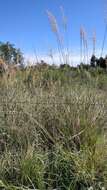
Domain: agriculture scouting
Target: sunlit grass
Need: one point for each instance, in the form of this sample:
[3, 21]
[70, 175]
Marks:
[53, 130]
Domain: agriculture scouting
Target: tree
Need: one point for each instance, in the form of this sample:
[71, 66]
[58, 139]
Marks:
[93, 61]
[10, 54]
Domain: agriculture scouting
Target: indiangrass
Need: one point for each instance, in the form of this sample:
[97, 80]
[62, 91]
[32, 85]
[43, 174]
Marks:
[85, 45]
[53, 130]
[65, 36]
[59, 37]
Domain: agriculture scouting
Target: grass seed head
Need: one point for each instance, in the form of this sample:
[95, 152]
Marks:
[53, 22]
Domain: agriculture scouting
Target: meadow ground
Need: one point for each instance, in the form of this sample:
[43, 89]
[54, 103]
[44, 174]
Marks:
[53, 129]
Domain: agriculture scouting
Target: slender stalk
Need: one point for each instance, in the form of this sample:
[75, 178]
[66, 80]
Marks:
[86, 45]
[104, 40]
[55, 29]
[94, 42]
[81, 44]
[64, 22]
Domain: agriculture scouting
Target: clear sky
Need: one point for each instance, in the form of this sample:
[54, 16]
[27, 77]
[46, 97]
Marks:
[25, 23]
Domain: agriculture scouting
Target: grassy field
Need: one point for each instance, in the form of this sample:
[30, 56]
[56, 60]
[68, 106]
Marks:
[53, 129]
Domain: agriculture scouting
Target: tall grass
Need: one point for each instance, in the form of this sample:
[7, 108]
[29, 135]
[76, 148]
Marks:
[53, 130]
[63, 48]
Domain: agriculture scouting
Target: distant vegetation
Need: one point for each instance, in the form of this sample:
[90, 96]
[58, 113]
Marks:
[10, 54]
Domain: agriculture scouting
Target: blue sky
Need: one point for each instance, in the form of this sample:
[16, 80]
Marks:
[25, 23]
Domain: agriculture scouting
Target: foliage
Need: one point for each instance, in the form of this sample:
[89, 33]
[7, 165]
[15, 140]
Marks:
[10, 54]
